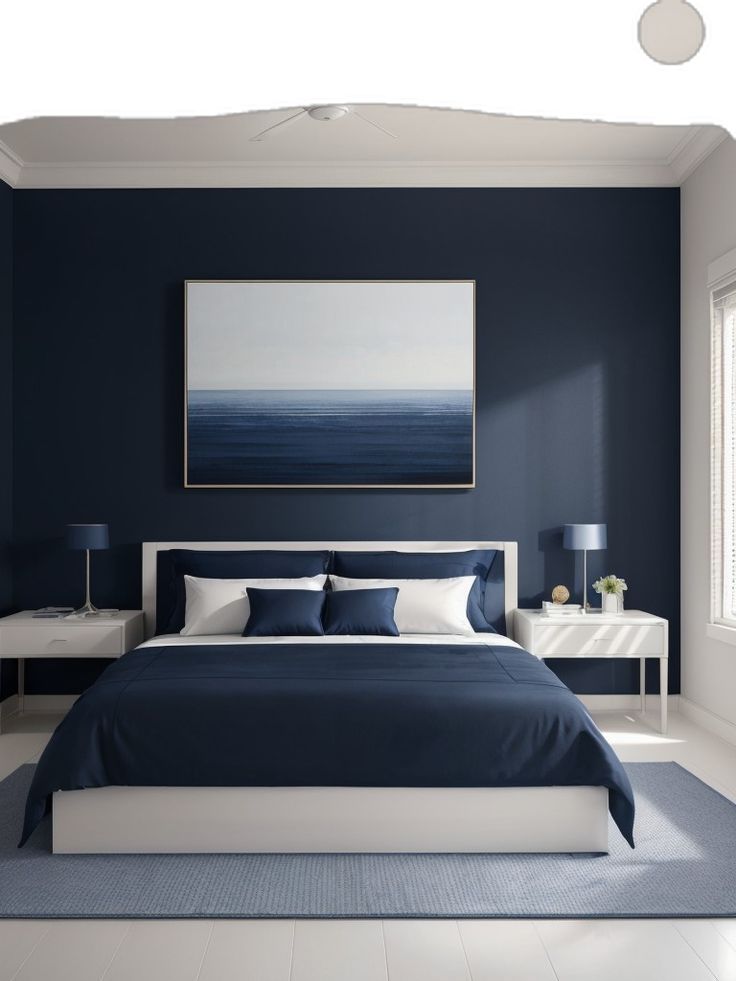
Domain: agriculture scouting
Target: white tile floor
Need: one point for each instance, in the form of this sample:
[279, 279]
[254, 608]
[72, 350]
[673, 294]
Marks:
[392, 950]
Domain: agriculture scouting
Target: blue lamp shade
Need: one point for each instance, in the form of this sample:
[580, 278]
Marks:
[87, 536]
[584, 537]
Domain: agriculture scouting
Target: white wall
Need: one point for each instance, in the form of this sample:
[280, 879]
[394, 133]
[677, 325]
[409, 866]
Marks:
[708, 231]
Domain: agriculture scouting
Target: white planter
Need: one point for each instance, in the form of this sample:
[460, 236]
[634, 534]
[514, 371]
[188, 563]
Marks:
[610, 603]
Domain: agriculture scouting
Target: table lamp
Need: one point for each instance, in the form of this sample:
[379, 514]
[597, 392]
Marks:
[584, 538]
[89, 538]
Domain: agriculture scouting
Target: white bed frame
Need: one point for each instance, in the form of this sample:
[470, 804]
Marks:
[151, 550]
[329, 819]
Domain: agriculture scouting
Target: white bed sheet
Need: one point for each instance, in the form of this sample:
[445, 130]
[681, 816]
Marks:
[177, 640]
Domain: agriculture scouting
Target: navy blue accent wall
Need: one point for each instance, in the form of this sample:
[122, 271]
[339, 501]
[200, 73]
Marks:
[577, 378]
[6, 393]
[7, 670]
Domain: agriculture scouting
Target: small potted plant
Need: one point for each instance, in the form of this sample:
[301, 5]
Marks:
[611, 589]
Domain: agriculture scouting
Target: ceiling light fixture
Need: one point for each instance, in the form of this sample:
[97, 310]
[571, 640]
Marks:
[324, 114]
[328, 113]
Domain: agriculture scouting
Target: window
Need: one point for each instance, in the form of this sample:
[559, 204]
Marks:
[723, 437]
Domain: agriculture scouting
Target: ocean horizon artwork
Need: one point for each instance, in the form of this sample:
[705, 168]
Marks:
[330, 384]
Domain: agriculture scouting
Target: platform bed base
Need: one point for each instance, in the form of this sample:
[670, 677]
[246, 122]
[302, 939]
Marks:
[120, 820]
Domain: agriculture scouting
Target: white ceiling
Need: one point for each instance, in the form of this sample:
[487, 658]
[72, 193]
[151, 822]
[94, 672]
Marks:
[431, 147]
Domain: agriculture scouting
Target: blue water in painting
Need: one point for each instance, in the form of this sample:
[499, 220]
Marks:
[330, 437]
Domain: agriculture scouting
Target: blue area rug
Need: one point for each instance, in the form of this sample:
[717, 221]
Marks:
[684, 865]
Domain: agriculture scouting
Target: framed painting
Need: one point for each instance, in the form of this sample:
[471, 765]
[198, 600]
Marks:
[330, 384]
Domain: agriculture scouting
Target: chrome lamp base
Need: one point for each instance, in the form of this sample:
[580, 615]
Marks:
[88, 610]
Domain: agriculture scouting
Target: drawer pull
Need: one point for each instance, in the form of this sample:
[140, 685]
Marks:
[59, 640]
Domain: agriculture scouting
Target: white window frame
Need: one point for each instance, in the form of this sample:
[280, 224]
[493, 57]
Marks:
[721, 273]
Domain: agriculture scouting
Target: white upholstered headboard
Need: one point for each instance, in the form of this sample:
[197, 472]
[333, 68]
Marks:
[151, 549]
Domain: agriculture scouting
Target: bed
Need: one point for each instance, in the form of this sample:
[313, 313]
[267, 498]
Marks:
[411, 743]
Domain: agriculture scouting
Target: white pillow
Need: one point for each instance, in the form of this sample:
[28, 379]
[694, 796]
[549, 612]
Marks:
[220, 606]
[423, 606]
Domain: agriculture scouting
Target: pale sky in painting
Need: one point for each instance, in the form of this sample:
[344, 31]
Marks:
[330, 335]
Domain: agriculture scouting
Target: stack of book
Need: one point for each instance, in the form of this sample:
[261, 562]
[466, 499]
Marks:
[52, 612]
[561, 609]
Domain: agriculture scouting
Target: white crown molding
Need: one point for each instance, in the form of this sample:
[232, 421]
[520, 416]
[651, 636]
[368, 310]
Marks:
[358, 174]
[11, 165]
[697, 146]
[684, 159]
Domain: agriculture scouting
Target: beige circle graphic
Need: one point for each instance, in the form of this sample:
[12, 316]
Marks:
[671, 31]
[560, 594]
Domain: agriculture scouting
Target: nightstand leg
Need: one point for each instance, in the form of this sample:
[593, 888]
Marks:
[21, 684]
[643, 683]
[663, 666]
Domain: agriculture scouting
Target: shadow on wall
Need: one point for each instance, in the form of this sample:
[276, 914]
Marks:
[65, 569]
[551, 460]
[557, 568]
[579, 456]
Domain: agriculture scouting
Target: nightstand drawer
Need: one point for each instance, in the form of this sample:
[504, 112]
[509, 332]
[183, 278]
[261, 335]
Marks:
[584, 640]
[61, 640]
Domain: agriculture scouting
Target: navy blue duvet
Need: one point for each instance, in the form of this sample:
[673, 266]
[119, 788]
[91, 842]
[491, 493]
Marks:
[368, 715]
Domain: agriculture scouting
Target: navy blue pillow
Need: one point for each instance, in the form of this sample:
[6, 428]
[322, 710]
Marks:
[429, 565]
[361, 611]
[174, 564]
[284, 612]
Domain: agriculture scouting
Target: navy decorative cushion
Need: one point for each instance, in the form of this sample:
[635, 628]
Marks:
[361, 611]
[284, 612]
[432, 565]
[174, 564]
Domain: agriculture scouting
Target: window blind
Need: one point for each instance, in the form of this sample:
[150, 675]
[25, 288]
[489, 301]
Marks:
[722, 296]
[723, 304]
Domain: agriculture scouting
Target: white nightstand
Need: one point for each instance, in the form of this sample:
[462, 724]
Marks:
[23, 636]
[630, 634]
